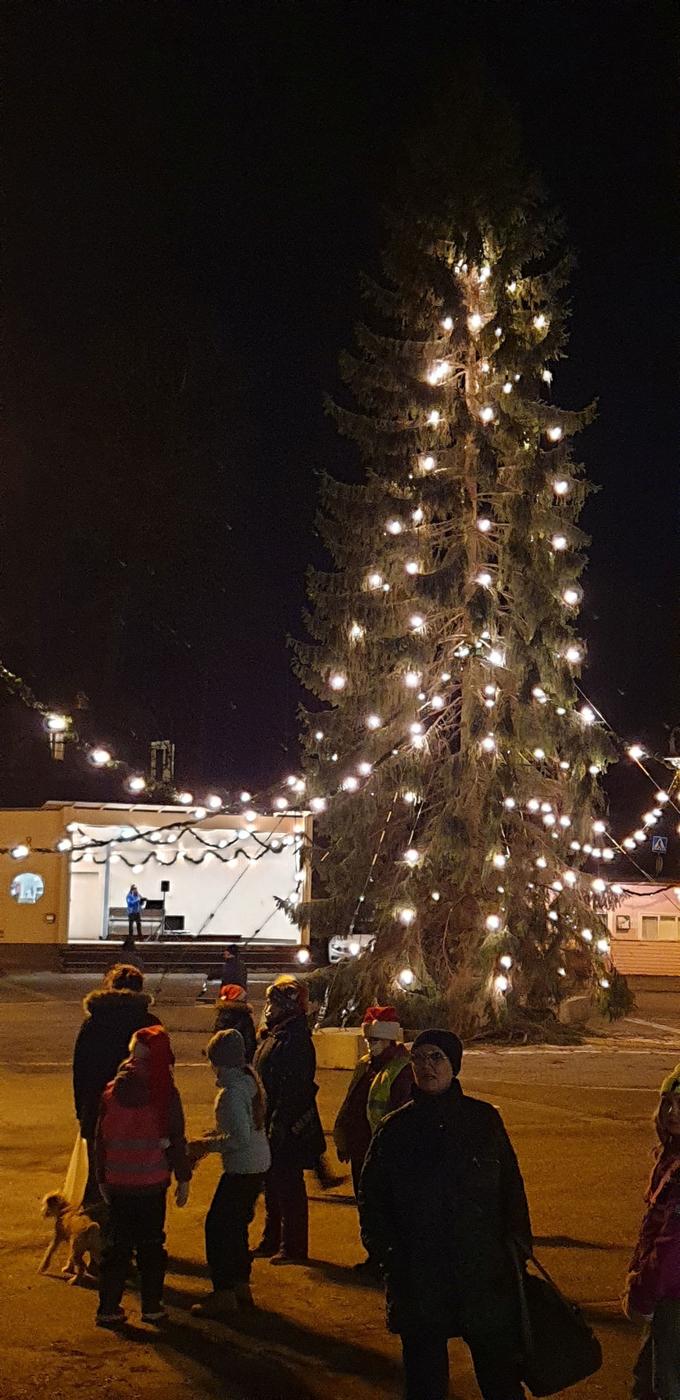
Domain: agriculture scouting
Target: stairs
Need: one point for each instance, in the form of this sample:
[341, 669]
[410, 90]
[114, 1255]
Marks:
[197, 956]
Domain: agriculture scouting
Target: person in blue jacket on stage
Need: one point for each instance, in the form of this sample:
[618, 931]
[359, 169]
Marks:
[135, 904]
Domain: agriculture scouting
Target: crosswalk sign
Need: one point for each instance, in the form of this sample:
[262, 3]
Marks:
[659, 845]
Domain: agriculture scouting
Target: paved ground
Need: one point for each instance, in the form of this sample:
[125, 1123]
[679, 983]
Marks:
[580, 1120]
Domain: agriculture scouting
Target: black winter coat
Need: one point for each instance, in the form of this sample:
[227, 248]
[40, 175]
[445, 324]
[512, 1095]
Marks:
[101, 1045]
[286, 1063]
[232, 1017]
[441, 1193]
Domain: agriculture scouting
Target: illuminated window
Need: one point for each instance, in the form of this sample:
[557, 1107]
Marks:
[665, 929]
[27, 888]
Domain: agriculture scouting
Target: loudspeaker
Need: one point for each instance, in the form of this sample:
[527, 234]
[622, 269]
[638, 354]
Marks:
[165, 886]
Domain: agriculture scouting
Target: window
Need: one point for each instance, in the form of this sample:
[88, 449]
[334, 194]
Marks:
[27, 888]
[665, 929]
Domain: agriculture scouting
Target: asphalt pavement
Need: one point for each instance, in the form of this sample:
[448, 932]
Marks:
[580, 1119]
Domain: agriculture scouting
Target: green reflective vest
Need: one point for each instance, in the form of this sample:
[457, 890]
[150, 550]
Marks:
[381, 1088]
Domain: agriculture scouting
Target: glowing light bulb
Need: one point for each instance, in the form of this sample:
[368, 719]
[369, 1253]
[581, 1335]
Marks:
[410, 798]
[406, 916]
[416, 621]
[484, 367]
[57, 724]
[484, 579]
[539, 693]
[281, 804]
[394, 527]
[486, 414]
[501, 983]
[599, 886]
[496, 657]
[499, 860]
[546, 376]
[137, 783]
[373, 722]
[200, 813]
[435, 896]
[599, 827]
[186, 798]
[554, 434]
[350, 783]
[587, 715]
[510, 803]
[437, 702]
[437, 372]
[433, 417]
[571, 597]
[416, 727]
[100, 757]
[364, 768]
[338, 681]
[608, 853]
[493, 922]
[574, 845]
[498, 332]
[565, 821]
[375, 580]
[629, 843]
[318, 735]
[559, 542]
[412, 856]
[549, 819]
[540, 322]
[602, 945]
[507, 387]
[488, 744]
[447, 323]
[636, 752]
[484, 273]
[475, 322]
[214, 802]
[484, 524]
[640, 836]
[20, 852]
[318, 804]
[418, 515]
[561, 486]
[570, 878]
[406, 977]
[245, 796]
[564, 765]
[649, 819]
[539, 753]
[412, 679]
[412, 567]
[533, 805]
[573, 655]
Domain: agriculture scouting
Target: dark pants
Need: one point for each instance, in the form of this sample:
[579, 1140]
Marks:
[135, 1223]
[92, 1196]
[356, 1168]
[426, 1368]
[286, 1221]
[226, 1229]
[657, 1371]
[134, 922]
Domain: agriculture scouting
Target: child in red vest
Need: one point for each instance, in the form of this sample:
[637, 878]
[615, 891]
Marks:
[653, 1288]
[140, 1143]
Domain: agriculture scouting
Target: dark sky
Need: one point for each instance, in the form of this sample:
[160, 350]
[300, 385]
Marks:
[193, 190]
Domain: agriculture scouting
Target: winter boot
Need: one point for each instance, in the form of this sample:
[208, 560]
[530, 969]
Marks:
[218, 1304]
[244, 1296]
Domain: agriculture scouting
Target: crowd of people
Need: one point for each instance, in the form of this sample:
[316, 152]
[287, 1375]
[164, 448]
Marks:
[442, 1206]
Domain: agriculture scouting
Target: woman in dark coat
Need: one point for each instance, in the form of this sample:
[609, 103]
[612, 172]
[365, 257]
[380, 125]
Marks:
[112, 1015]
[234, 1013]
[440, 1199]
[286, 1064]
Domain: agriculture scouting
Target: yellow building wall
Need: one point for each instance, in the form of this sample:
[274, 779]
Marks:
[47, 920]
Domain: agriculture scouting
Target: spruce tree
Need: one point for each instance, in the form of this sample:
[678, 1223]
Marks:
[451, 761]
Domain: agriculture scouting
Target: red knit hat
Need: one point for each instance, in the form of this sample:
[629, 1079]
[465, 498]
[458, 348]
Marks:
[229, 991]
[381, 1023]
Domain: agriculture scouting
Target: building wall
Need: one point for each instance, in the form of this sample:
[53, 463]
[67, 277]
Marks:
[47, 920]
[650, 946]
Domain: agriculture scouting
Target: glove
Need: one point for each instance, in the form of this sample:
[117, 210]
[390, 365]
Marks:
[181, 1193]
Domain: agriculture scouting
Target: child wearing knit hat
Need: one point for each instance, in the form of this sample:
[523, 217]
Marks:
[653, 1285]
[240, 1138]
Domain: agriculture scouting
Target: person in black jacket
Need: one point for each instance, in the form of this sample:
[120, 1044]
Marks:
[112, 1014]
[234, 971]
[234, 1013]
[441, 1199]
[286, 1064]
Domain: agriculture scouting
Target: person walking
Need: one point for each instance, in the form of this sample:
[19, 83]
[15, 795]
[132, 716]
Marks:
[381, 1083]
[112, 1014]
[240, 1137]
[653, 1285]
[234, 1013]
[234, 971]
[286, 1064]
[140, 1143]
[135, 904]
[441, 1201]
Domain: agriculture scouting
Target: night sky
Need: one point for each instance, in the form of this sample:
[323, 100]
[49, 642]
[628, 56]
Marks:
[193, 190]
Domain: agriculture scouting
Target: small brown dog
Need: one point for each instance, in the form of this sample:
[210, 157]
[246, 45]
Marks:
[74, 1228]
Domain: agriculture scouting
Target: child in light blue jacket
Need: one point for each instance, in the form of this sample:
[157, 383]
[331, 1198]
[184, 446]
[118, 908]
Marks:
[239, 1136]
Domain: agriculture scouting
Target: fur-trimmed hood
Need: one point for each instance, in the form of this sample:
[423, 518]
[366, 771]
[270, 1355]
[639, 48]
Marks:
[106, 1004]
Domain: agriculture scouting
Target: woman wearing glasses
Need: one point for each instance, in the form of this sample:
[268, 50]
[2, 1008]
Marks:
[440, 1199]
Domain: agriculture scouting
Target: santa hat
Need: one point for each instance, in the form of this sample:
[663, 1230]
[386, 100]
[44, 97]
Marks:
[381, 1023]
[229, 991]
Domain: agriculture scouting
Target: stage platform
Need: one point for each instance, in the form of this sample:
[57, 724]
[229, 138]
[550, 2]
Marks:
[186, 955]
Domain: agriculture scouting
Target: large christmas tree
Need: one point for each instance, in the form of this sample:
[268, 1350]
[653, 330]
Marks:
[453, 765]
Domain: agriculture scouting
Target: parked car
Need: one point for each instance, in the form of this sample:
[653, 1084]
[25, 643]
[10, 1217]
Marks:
[348, 945]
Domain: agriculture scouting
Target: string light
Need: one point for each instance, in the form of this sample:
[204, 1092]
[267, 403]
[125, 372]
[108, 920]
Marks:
[433, 417]
[57, 724]
[540, 322]
[486, 414]
[364, 768]
[373, 722]
[412, 567]
[493, 922]
[406, 977]
[484, 579]
[246, 796]
[488, 743]
[406, 916]
[496, 657]
[447, 323]
[318, 804]
[318, 735]
[375, 580]
[281, 803]
[571, 597]
[136, 783]
[417, 622]
[412, 856]
[510, 803]
[484, 524]
[435, 896]
[587, 715]
[186, 798]
[475, 322]
[412, 679]
[636, 752]
[546, 376]
[573, 655]
[501, 982]
[418, 515]
[559, 542]
[394, 527]
[100, 757]
[561, 486]
[507, 387]
[437, 702]
[350, 783]
[554, 434]
[20, 852]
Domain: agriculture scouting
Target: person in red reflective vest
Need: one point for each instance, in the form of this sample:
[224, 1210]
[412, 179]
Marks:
[140, 1144]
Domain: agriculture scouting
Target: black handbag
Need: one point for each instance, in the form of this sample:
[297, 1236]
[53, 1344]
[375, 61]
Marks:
[558, 1347]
